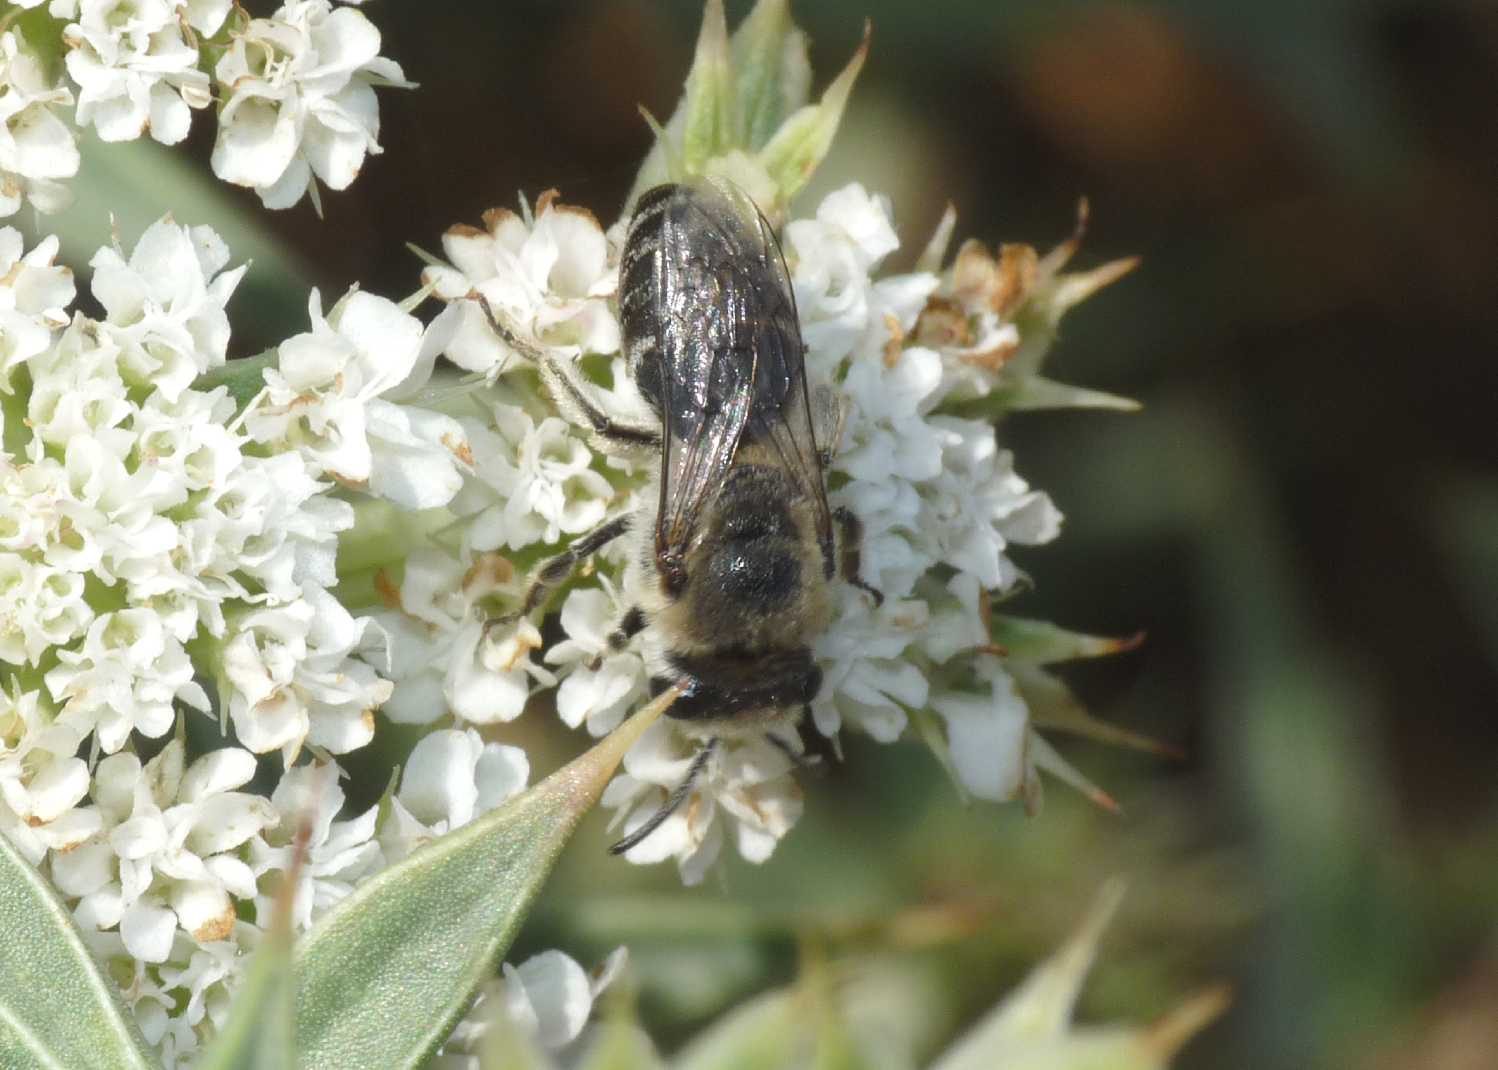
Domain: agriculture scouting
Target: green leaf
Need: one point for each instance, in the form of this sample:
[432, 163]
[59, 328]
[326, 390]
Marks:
[1055, 707]
[58, 1011]
[771, 70]
[383, 979]
[244, 376]
[1032, 1029]
[708, 105]
[260, 1034]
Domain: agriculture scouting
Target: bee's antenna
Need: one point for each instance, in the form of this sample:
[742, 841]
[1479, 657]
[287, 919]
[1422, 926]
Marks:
[673, 801]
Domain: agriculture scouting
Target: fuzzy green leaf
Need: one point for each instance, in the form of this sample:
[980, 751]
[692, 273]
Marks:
[708, 104]
[772, 72]
[801, 142]
[58, 1011]
[383, 979]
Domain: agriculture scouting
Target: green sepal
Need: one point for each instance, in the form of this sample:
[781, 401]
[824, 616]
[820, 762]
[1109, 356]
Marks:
[1040, 642]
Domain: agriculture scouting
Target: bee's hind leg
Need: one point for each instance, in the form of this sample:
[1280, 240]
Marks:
[796, 750]
[678, 795]
[850, 552]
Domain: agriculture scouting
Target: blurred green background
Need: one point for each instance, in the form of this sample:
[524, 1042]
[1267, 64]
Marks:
[1304, 518]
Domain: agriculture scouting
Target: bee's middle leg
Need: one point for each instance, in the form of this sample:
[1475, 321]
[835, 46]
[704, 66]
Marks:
[554, 571]
[850, 552]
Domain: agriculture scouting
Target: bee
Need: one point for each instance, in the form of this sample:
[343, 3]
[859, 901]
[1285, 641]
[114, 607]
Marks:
[733, 554]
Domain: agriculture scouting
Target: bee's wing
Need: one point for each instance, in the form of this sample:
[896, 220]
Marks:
[780, 415]
[731, 358]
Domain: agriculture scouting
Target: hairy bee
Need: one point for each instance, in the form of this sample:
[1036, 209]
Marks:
[729, 575]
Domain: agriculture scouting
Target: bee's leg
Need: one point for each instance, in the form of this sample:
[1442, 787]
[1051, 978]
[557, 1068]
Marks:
[573, 397]
[850, 551]
[797, 754]
[556, 570]
[678, 795]
[577, 401]
[630, 625]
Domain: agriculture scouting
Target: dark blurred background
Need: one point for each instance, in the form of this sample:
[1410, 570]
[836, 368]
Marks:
[1304, 517]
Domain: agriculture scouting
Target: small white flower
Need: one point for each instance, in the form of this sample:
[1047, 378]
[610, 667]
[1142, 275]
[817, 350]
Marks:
[324, 400]
[34, 296]
[842, 309]
[40, 607]
[866, 677]
[603, 684]
[170, 859]
[164, 306]
[41, 779]
[300, 100]
[292, 677]
[135, 69]
[547, 1000]
[37, 148]
[532, 481]
[125, 678]
[339, 853]
[445, 657]
[978, 505]
[450, 777]
[988, 737]
[549, 280]
[887, 432]
[747, 781]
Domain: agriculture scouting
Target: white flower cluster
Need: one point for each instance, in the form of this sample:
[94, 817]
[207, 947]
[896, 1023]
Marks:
[160, 554]
[295, 92]
[178, 848]
[529, 481]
